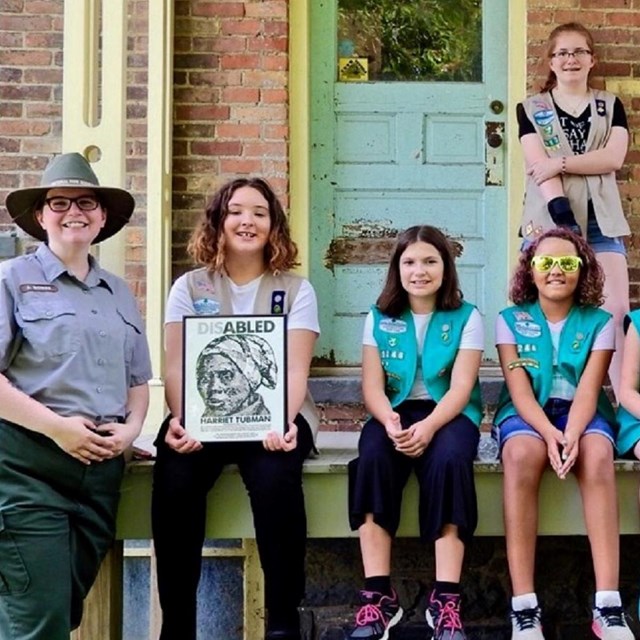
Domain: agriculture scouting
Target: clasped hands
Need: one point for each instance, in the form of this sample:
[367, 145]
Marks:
[87, 442]
[411, 442]
[563, 450]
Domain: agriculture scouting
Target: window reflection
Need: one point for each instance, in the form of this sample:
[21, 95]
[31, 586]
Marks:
[410, 40]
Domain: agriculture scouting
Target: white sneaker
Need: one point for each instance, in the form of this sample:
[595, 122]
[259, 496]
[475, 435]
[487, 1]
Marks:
[609, 623]
[526, 624]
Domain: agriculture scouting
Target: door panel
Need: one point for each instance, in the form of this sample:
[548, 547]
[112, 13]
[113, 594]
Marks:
[388, 155]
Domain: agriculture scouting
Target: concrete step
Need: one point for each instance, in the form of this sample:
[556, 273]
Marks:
[342, 385]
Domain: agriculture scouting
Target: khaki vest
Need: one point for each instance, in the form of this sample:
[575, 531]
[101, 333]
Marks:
[214, 288]
[602, 188]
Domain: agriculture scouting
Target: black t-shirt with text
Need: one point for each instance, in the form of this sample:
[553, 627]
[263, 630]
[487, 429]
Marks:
[576, 128]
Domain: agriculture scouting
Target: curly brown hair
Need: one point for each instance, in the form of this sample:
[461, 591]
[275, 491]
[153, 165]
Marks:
[394, 299]
[206, 245]
[568, 27]
[590, 281]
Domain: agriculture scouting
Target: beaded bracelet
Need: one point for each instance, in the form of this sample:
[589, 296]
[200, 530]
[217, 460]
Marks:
[564, 165]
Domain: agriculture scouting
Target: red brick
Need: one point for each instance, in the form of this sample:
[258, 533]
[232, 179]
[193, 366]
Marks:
[270, 9]
[241, 94]
[25, 58]
[268, 45]
[216, 148]
[237, 130]
[226, 9]
[274, 96]
[238, 61]
[239, 166]
[267, 149]
[243, 27]
[192, 112]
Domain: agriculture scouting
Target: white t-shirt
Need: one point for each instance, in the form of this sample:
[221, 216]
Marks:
[303, 314]
[472, 338]
[560, 386]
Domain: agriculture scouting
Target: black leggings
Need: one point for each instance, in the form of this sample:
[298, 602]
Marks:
[181, 483]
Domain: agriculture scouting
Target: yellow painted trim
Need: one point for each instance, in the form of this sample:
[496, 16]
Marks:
[299, 111]
[517, 86]
[254, 610]
[159, 172]
[81, 102]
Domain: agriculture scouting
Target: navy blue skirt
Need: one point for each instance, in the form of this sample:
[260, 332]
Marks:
[444, 471]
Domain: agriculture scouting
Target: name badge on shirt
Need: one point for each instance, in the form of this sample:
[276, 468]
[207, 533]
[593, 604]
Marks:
[39, 288]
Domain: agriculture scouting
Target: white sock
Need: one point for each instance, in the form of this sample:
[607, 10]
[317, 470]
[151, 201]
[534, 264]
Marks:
[608, 599]
[525, 601]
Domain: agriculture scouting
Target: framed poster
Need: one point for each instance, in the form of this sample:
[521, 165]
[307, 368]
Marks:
[234, 377]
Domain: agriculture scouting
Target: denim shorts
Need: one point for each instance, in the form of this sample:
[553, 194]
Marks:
[557, 410]
[600, 243]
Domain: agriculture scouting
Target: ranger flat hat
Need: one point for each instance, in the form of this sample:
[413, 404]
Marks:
[70, 170]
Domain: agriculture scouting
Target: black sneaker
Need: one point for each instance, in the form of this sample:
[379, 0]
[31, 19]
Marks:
[376, 616]
[443, 616]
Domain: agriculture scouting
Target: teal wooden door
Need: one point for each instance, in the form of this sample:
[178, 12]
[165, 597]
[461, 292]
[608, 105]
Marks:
[386, 155]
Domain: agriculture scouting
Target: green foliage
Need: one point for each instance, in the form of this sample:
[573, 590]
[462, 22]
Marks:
[416, 39]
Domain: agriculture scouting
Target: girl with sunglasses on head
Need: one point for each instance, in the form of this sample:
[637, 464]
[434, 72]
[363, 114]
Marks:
[421, 354]
[574, 138]
[555, 345]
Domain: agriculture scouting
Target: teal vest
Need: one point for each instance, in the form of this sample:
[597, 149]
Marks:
[535, 351]
[397, 344]
[629, 425]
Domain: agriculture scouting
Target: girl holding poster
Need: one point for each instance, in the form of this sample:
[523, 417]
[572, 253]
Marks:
[244, 245]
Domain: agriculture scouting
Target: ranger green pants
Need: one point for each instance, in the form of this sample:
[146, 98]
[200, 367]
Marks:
[57, 522]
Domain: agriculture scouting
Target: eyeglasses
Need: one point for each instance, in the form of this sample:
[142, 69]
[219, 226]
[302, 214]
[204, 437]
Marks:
[568, 264]
[564, 55]
[61, 204]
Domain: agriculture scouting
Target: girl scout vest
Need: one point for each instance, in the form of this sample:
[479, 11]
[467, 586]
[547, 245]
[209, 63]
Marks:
[535, 352]
[211, 295]
[397, 343]
[601, 188]
[629, 425]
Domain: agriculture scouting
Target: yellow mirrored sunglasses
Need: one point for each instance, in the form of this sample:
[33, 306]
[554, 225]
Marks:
[568, 264]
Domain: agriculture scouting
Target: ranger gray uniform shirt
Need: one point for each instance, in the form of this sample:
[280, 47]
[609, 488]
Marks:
[76, 347]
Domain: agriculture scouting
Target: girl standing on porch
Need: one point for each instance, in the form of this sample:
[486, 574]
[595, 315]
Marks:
[243, 240]
[422, 348]
[563, 419]
[574, 138]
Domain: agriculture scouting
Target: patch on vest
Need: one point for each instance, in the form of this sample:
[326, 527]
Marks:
[393, 325]
[277, 302]
[206, 307]
[523, 362]
[528, 329]
[601, 107]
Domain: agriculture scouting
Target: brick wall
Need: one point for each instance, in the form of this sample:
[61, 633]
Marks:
[231, 72]
[231, 115]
